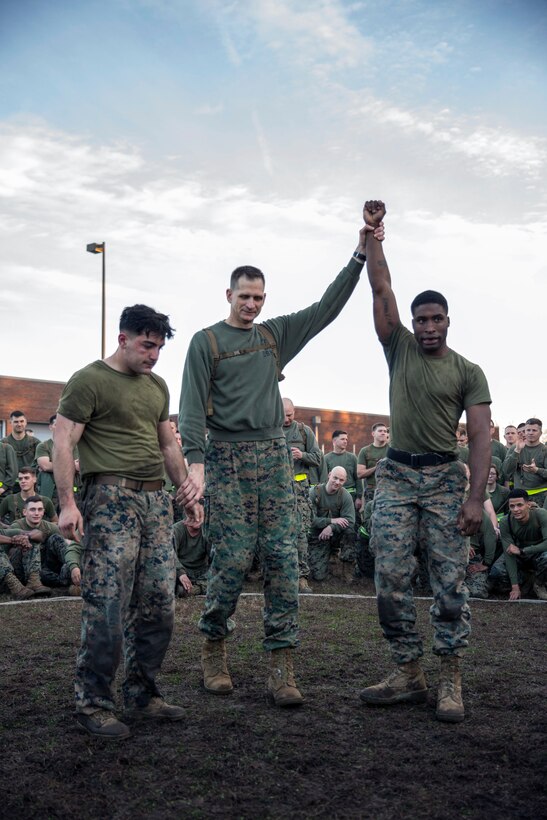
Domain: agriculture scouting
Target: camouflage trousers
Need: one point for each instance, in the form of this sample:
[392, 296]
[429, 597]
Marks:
[414, 507]
[21, 563]
[535, 565]
[303, 524]
[128, 581]
[250, 502]
[320, 551]
[54, 571]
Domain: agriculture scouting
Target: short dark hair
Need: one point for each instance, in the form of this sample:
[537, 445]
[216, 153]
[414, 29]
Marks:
[249, 272]
[27, 470]
[143, 319]
[16, 414]
[337, 433]
[521, 425]
[509, 426]
[534, 421]
[378, 424]
[52, 418]
[429, 297]
[33, 499]
[518, 493]
[495, 467]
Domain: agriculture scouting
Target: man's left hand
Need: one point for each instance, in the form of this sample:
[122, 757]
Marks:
[470, 517]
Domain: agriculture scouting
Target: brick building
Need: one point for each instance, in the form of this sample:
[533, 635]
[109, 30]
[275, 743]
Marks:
[38, 399]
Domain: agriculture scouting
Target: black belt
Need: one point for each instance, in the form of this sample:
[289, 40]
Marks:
[420, 459]
[128, 483]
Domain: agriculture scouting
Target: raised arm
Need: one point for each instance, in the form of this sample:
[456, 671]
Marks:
[385, 311]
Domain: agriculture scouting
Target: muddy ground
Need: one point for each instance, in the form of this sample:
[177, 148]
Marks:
[237, 757]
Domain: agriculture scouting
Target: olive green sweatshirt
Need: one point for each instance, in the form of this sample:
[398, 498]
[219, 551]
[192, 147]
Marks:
[245, 394]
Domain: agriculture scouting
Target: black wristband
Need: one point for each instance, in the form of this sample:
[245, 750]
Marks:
[359, 256]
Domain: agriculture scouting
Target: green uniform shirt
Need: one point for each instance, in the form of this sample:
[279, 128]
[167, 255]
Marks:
[512, 467]
[121, 413]
[21, 525]
[428, 395]
[24, 449]
[8, 466]
[331, 505]
[369, 456]
[11, 508]
[191, 551]
[499, 498]
[530, 538]
[300, 435]
[245, 393]
[348, 461]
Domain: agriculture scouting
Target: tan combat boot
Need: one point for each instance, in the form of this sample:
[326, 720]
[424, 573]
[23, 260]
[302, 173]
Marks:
[449, 695]
[18, 591]
[281, 687]
[37, 586]
[216, 678]
[304, 587]
[406, 683]
[74, 590]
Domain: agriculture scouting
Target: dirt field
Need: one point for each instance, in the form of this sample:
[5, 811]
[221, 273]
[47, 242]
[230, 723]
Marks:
[237, 757]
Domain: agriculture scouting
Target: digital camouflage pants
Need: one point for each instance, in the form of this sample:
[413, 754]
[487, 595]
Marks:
[303, 524]
[128, 582]
[21, 562]
[411, 507]
[531, 565]
[54, 571]
[320, 551]
[250, 502]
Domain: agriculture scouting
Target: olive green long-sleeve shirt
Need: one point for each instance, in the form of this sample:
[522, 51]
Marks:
[245, 394]
[530, 538]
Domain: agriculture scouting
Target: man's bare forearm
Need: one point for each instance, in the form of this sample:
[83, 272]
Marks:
[174, 463]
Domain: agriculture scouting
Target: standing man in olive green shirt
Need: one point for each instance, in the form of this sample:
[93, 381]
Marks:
[369, 456]
[117, 411]
[526, 463]
[23, 444]
[420, 486]
[230, 387]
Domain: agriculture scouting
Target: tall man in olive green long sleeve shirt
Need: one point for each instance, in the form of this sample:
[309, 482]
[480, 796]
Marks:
[526, 463]
[250, 497]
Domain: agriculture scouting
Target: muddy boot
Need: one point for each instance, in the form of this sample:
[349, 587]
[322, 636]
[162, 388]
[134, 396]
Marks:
[103, 723]
[74, 590]
[281, 686]
[36, 585]
[303, 586]
[16, 588]
[216, 678]
[449, 695]
[406, 683]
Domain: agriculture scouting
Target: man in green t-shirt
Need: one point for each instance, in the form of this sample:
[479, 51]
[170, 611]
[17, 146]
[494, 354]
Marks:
[230, 387]
[306, 462]
[526, 463]
[420, 486]
[23, 559]
[524, 540]
[332, 526]
[369, 456]
[11, 507]
[23, 444]
[117, 411]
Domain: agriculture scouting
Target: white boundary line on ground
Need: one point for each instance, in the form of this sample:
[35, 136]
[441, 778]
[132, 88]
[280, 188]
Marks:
[343, 595]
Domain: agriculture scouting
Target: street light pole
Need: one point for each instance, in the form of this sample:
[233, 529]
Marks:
[93, 247]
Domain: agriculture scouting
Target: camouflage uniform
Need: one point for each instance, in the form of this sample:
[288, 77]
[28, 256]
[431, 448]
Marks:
[128, 580]
[55, 571]
[414, 506]
[21, 562]
[250, 501]
[326, 506]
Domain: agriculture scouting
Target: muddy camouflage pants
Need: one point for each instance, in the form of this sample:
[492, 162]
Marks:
[128, 582]
[320, 551]
[499, 579]
[411, 507]
[54, 571]
[250, 502]
[21, 562]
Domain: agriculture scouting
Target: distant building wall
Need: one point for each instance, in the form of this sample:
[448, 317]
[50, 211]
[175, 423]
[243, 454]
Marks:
[38, 399]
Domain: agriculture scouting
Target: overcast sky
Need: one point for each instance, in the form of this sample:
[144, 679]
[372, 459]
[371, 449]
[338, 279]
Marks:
[193, 137]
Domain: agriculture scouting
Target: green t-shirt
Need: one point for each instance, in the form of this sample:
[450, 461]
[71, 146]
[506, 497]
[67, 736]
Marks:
[369, 456]
[531, 538]
[191, 551]
[326, 506]
[8, 466]
[245, 393]
[43, 526]
[121, 413]
[512, 467]
[24, 449]
[11, 508]
[428, 395]
[348, 461]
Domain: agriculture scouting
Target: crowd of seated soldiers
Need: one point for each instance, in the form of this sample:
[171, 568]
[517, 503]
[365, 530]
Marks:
[508, 556]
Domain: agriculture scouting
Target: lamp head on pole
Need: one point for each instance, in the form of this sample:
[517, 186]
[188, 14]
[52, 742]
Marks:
[93, 247]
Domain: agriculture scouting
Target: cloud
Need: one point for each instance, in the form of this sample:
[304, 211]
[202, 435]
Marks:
[263, 145]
